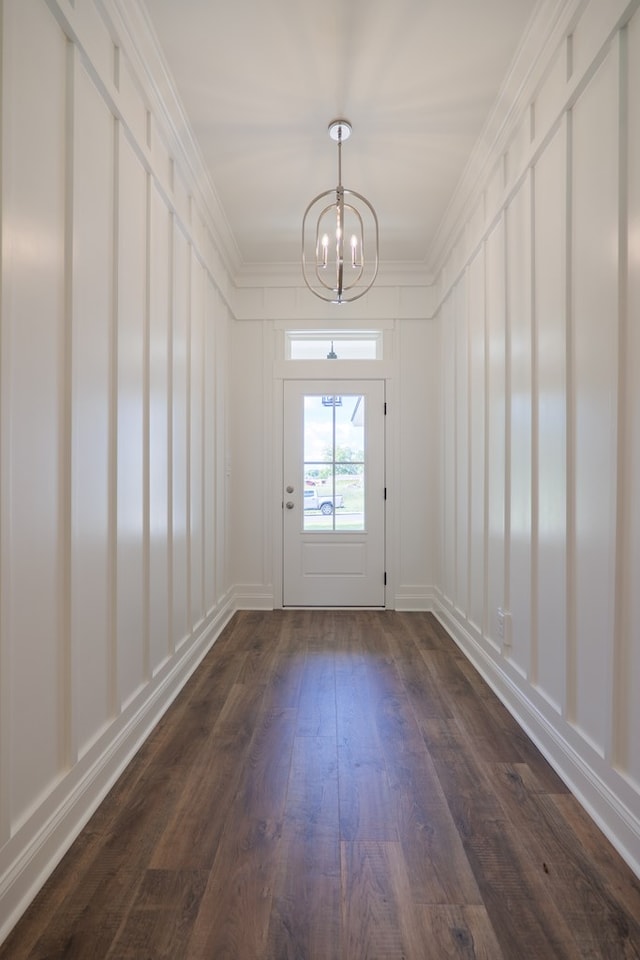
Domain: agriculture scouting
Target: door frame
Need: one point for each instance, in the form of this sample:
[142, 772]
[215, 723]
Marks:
[340, 370]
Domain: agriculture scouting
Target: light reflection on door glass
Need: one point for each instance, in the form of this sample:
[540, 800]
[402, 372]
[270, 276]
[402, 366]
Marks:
[334, 465]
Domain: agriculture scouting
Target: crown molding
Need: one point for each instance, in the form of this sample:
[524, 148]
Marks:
[410, 274]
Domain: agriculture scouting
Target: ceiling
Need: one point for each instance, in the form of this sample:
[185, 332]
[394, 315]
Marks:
[260, 81]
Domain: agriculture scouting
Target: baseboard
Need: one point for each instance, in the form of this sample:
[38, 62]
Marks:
[248, 596]
[31, 855]
[605, 795]
[408, 598]
[414, 597]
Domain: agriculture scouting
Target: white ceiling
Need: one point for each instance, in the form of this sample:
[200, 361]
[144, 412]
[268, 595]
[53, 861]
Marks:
[261, 79]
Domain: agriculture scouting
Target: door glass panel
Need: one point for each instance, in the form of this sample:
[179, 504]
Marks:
[334, 463]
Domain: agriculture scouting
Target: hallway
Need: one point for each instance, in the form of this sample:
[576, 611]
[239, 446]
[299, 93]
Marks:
[336, 784]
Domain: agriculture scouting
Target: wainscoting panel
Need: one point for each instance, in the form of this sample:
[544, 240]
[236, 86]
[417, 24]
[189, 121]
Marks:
[555, 342]
[113, 406]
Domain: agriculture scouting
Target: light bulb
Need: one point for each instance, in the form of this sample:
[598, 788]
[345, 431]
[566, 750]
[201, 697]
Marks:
[325, 248]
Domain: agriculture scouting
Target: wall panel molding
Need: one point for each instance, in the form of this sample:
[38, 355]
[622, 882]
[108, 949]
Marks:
[556, 363]
[113, 428]
[627, 754]
[461, 241]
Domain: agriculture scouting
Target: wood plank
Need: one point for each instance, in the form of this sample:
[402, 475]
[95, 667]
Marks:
[262, 790]
[602, 858]
[234, 912]
[161, 918]
[368, 809]
[436, 863]
[190, 836]
[424, 692]
[452, 932]
[286, 669]
[528, 920]
[379, 922]
[306, 912]
[435, 859]
[316, 715]
[591, 907]
[311, 808]
[529, 753]
[465, 782]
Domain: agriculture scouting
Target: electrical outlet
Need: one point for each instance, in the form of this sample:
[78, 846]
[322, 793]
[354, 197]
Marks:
[504, 627]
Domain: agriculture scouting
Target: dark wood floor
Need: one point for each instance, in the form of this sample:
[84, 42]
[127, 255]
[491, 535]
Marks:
[336, 786]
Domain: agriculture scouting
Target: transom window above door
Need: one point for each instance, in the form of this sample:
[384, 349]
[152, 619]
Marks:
[333, 345]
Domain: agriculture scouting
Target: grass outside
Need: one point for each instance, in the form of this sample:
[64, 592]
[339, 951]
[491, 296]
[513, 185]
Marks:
[348, 517]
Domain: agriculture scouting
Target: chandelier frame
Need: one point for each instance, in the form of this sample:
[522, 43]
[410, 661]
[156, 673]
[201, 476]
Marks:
[332, 279]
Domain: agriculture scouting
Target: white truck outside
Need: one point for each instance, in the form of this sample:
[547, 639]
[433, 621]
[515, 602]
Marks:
[315, 499]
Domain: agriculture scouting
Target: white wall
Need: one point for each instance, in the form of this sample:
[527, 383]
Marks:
[412, 465]
[251, 464]
[114, 345]
[540, 452]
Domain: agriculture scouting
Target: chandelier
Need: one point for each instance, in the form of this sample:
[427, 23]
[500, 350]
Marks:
[335, 265]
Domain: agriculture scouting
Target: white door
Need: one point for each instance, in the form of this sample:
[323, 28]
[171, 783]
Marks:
[334, 496]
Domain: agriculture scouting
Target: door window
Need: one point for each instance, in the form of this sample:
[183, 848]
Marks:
[334, 463]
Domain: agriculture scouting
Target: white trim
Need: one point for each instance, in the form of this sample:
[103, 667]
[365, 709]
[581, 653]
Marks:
[249, 596]
[415, 597]
[390, 274]
[332, 369]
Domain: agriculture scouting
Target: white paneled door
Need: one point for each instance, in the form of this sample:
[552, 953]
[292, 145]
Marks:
[333, 498]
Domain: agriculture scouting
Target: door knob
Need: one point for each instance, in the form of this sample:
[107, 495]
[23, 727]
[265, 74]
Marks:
[289, 504]
[289, 489]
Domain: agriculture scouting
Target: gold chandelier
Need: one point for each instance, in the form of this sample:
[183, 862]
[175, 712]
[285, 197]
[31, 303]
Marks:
[339, 237]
